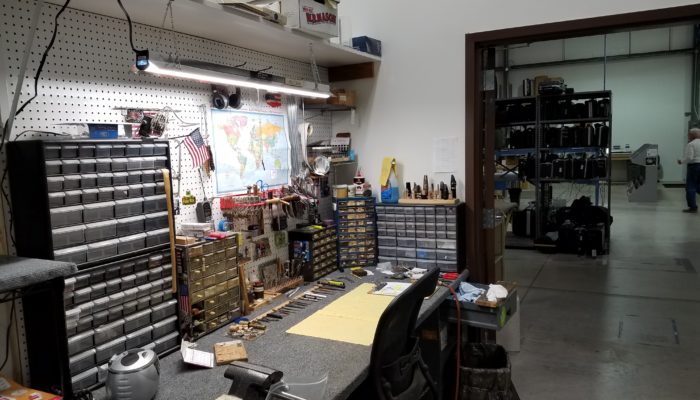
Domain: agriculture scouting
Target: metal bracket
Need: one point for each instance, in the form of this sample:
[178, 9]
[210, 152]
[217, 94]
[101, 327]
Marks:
[489, 218]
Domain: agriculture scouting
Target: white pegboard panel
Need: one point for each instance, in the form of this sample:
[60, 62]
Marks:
[87, 74]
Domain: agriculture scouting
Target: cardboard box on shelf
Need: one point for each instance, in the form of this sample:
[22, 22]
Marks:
[342, 97]
[318, 18]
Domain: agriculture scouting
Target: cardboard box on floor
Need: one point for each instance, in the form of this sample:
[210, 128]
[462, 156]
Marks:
[10, 389]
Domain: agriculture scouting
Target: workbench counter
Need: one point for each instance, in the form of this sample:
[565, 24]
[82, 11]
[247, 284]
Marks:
[346, 364]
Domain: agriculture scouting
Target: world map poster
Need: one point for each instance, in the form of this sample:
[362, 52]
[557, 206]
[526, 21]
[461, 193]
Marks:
[249, 147]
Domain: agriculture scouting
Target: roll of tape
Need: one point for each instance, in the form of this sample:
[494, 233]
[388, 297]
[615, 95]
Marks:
[306, 128]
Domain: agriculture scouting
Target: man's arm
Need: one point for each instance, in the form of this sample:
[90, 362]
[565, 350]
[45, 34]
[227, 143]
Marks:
[689, 154]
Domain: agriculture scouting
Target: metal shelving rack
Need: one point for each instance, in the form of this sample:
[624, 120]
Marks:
[543, 185]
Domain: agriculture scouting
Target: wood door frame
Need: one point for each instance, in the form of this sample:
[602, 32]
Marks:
[479, 241]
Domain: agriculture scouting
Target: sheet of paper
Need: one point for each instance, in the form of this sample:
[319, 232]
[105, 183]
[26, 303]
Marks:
[445, 154]
[196, 357]
[352, 318]
[393, 288]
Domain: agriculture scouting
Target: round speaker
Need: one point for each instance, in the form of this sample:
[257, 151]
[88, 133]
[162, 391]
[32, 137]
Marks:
[234, 100]
[219, 100]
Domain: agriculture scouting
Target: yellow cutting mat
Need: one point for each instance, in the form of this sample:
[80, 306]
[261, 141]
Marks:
[352, 318]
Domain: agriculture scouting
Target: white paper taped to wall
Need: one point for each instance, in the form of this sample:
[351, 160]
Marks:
[445, 154]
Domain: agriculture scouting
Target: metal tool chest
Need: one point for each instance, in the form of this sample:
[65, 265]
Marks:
[421, 236]
[208, 285]
[357, 232]
[312, 250]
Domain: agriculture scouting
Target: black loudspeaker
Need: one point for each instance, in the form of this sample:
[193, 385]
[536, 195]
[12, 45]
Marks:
[524, 222]
[219, 99]
[234, 100]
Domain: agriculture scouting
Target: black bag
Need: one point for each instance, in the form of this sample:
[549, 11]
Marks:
[562, 168]
[601, 167]
[568, 240]
[583, 168]
[524, 222]
[593, 240]
[602, 133]
[485, 373]
[546, 170]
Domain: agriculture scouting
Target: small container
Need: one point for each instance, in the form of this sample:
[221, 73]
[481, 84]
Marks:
[161, 149]
[55, 183]
[87, 166]
[451, 227]
[406, 262]
[406, 242]
[103, 165]
[404, 252]
[84, 379]
[426, 254]
[386, 241]
[98, 231]
[425, 243]
[82, 295]
[430, 234]
[115, 312]
[128, 281]
[166, 342]
[82, 361]
[73, 197]
[98, 211]
[452, 235]
[425, 264]
[446, 255]
[131, 225]
[133, 163]
[138, 320]
[66, 216]
[118, 150]
[135, 190]
[340, 191]
[103, 150]
[101, 303]
[71, 182]
[105, 194]
[161, 162]
[164, 310]
[440, 235]
[113, 285]
[134, 177]
[69, 236]
[387, 251]
[147, 149]
[446, 244]
[69, 151]
[156, 203]
[90, 195]
[148, 162]
[148, 176]
[120, 178]
[132, 243]
[121, 192]
[447, 265]
[108, 332]
[158, 175]
[128, 207]
[88, 181]
[97, 276]
[165, 326]
[128, 268]
[105, 351]
[53, 167]
[144, 303]
[133, 149]
[148, 189]
[80, 342]
[130, 307]
[134, 293]
[119, 164]
[86, 150]
[155, 238]
[100, 250]
[52, 151]
[104, 179]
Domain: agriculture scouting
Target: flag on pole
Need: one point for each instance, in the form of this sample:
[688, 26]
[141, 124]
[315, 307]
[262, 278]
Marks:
[197, 149]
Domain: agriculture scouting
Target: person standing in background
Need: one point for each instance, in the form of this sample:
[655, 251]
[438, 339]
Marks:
[692, 178]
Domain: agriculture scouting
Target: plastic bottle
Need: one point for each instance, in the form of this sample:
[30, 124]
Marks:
[390, 191]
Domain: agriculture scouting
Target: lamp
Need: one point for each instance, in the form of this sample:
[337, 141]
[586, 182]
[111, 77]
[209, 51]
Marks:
[214, 73]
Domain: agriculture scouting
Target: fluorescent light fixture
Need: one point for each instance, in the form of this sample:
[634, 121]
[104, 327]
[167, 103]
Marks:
[198, 73]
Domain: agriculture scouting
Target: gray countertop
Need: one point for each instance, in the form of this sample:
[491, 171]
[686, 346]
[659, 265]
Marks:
[20, 272]
[346, 364]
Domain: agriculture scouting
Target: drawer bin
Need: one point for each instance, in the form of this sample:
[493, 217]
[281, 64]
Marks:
[98, 211]
[98, 231]
[156, 203]
[157, 221]
[130, 226]
[105, 351]
[70, 236]
[100, 250]
[131, 243]
[77, 255]
[128, 207]
[65, 216]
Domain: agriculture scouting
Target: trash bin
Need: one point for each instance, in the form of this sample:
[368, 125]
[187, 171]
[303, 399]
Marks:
[485, 373]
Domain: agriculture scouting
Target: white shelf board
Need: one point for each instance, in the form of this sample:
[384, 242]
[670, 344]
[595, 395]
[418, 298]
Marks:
[210, 20]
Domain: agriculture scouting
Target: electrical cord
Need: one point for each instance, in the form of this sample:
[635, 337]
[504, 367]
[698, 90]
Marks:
[9, 330]
[459, 338]
[131, 28]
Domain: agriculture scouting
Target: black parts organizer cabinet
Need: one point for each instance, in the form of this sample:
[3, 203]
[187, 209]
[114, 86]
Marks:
[102, 205]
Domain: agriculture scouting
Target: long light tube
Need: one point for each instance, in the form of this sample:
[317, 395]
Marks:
[158, 67]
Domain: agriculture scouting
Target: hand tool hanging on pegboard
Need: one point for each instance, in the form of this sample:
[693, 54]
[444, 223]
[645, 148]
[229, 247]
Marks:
[204, 206]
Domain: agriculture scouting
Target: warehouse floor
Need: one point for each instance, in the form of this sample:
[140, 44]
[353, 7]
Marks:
[621, 326]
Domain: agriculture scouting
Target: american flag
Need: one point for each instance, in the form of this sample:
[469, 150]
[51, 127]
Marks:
[184, 300]
[198, 150]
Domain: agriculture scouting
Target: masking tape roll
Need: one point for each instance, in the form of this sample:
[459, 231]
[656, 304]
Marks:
[306, 128]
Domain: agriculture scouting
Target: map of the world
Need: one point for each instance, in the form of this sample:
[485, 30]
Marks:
[249, 147]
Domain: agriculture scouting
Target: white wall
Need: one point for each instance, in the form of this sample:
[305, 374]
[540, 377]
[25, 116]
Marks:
[419, 90]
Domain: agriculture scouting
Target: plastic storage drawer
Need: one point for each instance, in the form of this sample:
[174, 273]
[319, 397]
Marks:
[103, 150]
[387, 251]
[66, 216]
[97, 231]
[53, 167]
[165, 326]
[147, 162]
[138, 320]
[425, 264]
[147, 149]
[426, 254]
[88, 181]
[132, 243]
[386, 241]
[103, 165]
[447, 265]
[134, 177]
[403, 252]
[84, 379]
[164, 310]
[166, 342]
[98, 211]
[154, 238]
[88, 166]
[406, 242]
[139, 338]
[105, 194]
[447, 255]
[77, 255]
[55, 183]
[100, 250]
[136, 190]
[148, 189]
[104, 179]
[73, 197]
[153, 204]
[86, 150]
[71, 182]
[121, 192]
[130, 226]
[425, 243]
[128, 207]
[160, 149]
[109, 331]
[80, 342]
[118, 150]
[105, 351]
[70, 236]
[52, 151]
[133, 163]
[90, 195]
[148, 176]
[446, 244]
[120, 178]
[157, 221]
[161, 162]
[70, 167]
[119, 164]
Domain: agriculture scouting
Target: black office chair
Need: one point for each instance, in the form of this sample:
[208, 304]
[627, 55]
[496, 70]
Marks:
[397, 371]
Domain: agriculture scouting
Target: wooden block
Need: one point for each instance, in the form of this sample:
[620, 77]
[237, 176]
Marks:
[228, 352]
[185, 240]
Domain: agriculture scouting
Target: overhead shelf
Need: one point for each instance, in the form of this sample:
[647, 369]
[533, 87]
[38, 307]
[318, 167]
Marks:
[210, 20]
[531, 150]
[327, 107]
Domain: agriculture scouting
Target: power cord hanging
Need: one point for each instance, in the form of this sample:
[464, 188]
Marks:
[131, 28]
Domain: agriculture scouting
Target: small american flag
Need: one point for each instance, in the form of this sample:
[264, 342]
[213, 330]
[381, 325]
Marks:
[198, 150]
[184, 300]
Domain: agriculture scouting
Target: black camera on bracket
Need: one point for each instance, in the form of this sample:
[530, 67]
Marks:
[222, 98]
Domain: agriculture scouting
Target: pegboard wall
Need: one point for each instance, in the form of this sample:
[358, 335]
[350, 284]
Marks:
[87, 74]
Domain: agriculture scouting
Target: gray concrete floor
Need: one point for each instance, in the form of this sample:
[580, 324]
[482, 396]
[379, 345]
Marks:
[622, 326]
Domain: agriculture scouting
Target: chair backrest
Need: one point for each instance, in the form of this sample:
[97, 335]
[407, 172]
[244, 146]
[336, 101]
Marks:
[395, 330]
